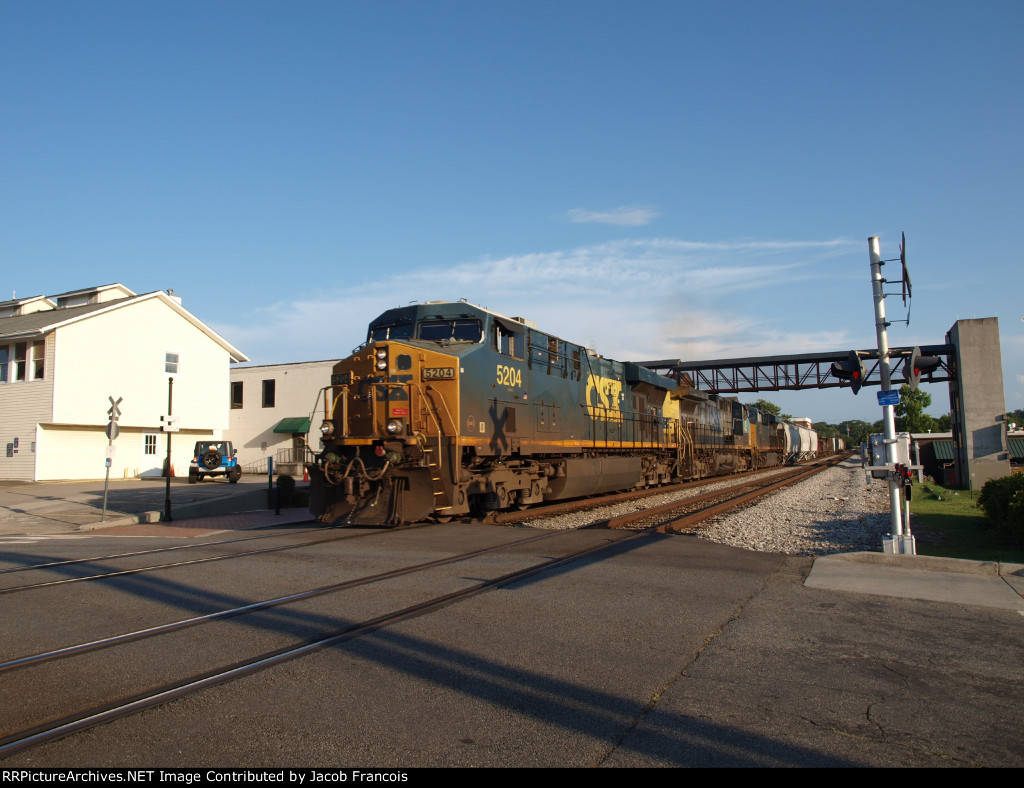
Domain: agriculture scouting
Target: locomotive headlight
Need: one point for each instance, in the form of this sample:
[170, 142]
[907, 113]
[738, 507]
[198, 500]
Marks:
[327, 428]
[382, 358]
[382, 363]
[394, 426]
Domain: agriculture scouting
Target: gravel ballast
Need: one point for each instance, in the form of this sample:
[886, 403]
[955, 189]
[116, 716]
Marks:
[835, 511]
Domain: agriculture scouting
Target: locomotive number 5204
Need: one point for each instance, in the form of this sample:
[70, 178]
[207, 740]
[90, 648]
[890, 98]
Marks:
[509, 376]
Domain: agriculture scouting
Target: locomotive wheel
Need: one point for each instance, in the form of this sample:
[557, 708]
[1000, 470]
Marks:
[212, 459]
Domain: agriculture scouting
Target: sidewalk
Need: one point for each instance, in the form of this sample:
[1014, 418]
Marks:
[69, 507]
[209, 524]
[984, 583]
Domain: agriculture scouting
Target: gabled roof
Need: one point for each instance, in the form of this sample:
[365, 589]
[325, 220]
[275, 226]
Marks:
[18, 304]
[97, 289]
[20, 301]
[39, 323]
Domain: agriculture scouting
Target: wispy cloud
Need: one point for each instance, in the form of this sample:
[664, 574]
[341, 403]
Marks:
[628, 299]
[623, 216]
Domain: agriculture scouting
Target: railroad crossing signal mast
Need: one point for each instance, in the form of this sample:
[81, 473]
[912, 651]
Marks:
[889, 453]
[902, 541]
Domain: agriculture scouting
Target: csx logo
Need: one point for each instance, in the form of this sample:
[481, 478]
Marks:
[604, 398]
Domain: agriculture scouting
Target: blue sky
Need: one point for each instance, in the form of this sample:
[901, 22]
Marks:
[655, 179]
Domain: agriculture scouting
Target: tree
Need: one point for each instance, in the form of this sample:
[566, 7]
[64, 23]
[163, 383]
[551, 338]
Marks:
[857, 431]
[910, 415]
[764, 406]
[826, 430]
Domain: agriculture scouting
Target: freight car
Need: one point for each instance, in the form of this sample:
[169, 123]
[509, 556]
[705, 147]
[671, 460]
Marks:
[450, 408]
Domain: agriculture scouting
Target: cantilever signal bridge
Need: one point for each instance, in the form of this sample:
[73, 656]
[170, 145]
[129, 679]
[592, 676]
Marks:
[794, 372]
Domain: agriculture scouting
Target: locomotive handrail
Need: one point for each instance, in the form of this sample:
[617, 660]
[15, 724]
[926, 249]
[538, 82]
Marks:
[439, 423]
[344, 410]
[644, 426]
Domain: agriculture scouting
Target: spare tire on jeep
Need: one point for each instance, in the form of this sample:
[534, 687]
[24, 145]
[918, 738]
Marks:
[212, 459]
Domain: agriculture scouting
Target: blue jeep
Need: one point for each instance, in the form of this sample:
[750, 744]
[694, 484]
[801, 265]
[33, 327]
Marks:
[214, 458]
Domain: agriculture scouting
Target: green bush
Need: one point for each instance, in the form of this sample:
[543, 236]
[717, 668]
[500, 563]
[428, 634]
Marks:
[1003, 503]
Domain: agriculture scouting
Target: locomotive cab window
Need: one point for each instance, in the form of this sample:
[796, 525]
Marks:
[397, 331]
[507, 342]
[451, 330]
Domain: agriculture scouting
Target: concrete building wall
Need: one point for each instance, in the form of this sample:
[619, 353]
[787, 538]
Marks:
[977, 403]
[297, 394]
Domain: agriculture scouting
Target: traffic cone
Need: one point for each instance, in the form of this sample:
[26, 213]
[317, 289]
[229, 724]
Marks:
[172, 470]
[305, 474]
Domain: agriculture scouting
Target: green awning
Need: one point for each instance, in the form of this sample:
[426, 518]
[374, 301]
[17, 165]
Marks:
[1016, 446]
[943, 451]
[293, 424]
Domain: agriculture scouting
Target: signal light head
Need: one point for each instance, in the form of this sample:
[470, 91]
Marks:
[918, 365]
[852, 370]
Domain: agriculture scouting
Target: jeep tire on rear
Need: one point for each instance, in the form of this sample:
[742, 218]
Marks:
[214, 458]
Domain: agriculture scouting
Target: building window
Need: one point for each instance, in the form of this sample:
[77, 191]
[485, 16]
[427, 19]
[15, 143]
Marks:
[236, 394]
[38, 360]
[20, 360]
[150, 444]
[268, 393]
[171, 363]
[23, 361]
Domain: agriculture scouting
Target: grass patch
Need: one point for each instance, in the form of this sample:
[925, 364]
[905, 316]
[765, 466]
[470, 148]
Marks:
[947, 522]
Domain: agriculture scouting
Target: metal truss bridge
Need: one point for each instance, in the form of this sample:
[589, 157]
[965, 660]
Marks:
[786, 373]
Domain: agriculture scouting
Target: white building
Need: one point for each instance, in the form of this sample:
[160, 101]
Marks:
[275, 410]
[62, 359]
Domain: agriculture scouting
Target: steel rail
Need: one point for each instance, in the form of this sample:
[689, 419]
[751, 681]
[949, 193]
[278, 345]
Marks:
[64, 726]
[128, 637]
[153, 567]
[687, 521]
[562, 507]
[66, 562]
[621, 520]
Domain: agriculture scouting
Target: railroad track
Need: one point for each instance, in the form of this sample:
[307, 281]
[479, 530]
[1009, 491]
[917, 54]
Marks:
[278, 630]
[70, 564]
[686, 515]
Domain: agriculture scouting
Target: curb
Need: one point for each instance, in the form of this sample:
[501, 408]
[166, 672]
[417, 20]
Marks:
[235, 503]
[930, 563]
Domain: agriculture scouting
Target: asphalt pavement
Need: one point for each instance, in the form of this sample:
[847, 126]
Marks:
[671, 652]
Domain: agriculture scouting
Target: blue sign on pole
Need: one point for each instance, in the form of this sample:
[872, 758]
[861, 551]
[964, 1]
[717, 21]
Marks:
[888, 398]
